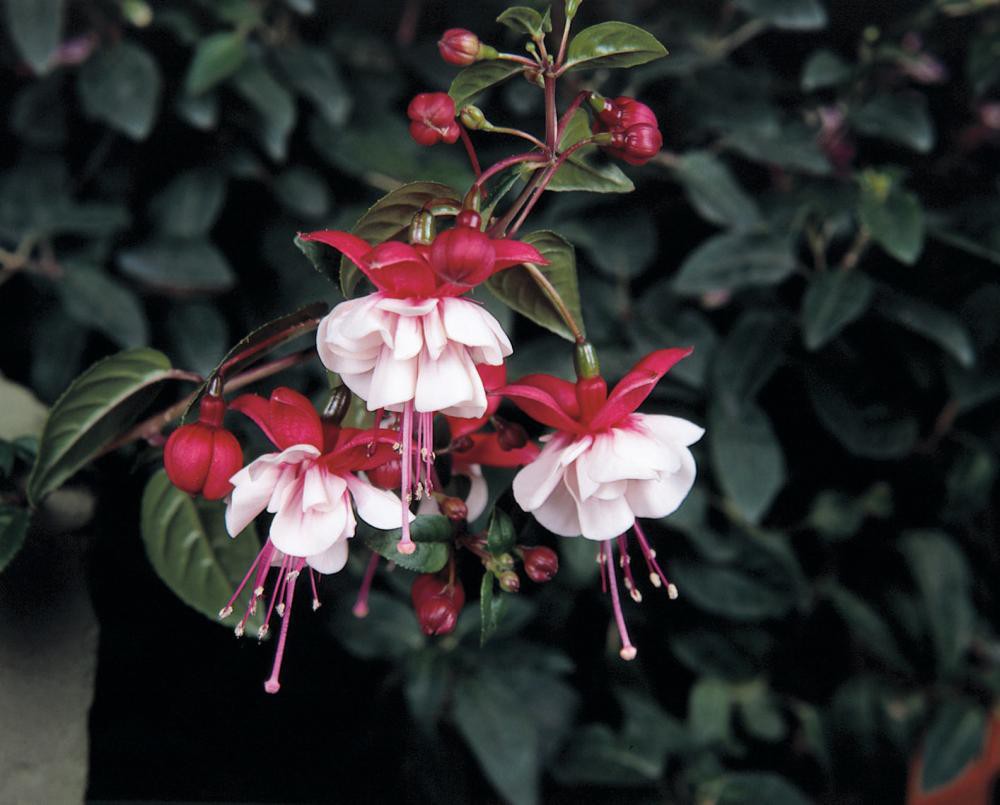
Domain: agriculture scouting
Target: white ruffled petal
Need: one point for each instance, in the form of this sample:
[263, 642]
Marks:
[663, 496]
[449, 380]
[479, 491]
[377, 507]
[671, 429]
[332, 560]
[535, 481]
[393, 381]
[251, 492]
[558, 513]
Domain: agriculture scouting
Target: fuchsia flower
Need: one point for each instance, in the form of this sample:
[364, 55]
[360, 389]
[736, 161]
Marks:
[605, 464]
[414, 345]
[308, 486]
[432, 118]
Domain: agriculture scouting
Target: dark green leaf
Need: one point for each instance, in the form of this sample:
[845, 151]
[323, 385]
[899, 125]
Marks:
[734, 261]
[199, 111]
[791, 146]
[120, 86]
[935, 323]
[631, 249]
[38, 114]
[198, 336]
[729, 592]
[799, 15]
[752, 788]
[189, 206]
[274, 105]
[954, 740]
[431, 533]
[96, 300]
[760, 711]
[216, 58]
[746, 360]
[941, 573]
[36, 28]
[982, 63]
[479, 77]
[522, 19]
[748, 459]
[612, 44]
[389, 630]
[13, 530]
[714, 192]
[710, 704]
[894, 218]
[314, 75]
[302, 192]
[823, 69]
[580, 174]
[97, 406]
[516, 287]
[500, 536]
[868, 628]
[188, 547]
[492, 603]
[178, 266]
[902, 119]
[833, 300]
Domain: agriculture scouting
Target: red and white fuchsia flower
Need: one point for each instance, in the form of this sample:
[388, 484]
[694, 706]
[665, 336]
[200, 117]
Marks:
[413, 346]
[308, 486]
[606, 465]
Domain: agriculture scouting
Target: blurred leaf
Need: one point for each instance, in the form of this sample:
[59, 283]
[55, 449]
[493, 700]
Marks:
[500, 536]
[982, 65]
[715, 653]
[788, 145]
[189, 206]
[36, 28]
[97, 406]
[516, 287]
[302, 192]
[38, 115]
[522, 19]
[188, 546]
[728, 592]
[734, 261]
[832, 301]
[744, 363]
[95, 300]
[747, 457]
[314, 75]
[216, 57]
[199, 111]
[612, 44]
[824, 69]
[198, 336]
[13, 530]
[943, 328]
[868, 628]
[941, 574]
[274, 105]
[760, 711]
[492, 603]
[709, 707]
[902, 119]
[751, 788]
[120, 86]
[479, 77]
[178, 266]
[714, 192]
[389, 631]
[895, 218]
[429, 532]
[954, 740]
[626, 253]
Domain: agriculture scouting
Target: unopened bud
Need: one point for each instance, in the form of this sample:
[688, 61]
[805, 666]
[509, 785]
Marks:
[437, 615]
[462, 47]
[510, 582]
[338, 404]
[473, 119]
[422, 228]
[510, 435]
[469, 218]
[540, 563]
[462, 444]
[454, 509]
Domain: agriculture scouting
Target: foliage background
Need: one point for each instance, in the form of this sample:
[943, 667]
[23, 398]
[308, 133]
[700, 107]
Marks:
[837, 559]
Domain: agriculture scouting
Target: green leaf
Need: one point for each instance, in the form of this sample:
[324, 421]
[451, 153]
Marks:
[833, 300]
[302, 192]
[492, 603]
[734, 261]
[389, 631]
[189, 206]
[710, 704]
[791, 146]
[729, 592]
[744, 363]
[868, 628]
[387, 219]
[902, 119]
[747, 456]
[760, 711]
[612, 44]
[982, 64]
[578, 174]
[199, 111]
[798, 15]
[96, 407]
[934, 323]
[172, 265]
[198, 335]
[216, 58]
[941, 573]
[823, 69]
[751, 788]
[275, 106]
[895, 218]
[516, 288]
[714, 192]
[120, 86]
[13, 530]
[522, 19]
[954, 740]
[95, 300]
[629, 252]
[188, 547]
[38, 115]
[430, 532]
[36, 27]
[478, 77]
[500, 536]
[313, 74]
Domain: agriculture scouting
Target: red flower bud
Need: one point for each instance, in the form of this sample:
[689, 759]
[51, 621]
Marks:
[540, 563]
[432, 116]
[623, 113]
[459, 46]
[201, 457]
[454, 509]
[636, 145]
[387, 476]
[437, 606]
[463, 255]
[510, 435]
[463, 444]
[469, 218]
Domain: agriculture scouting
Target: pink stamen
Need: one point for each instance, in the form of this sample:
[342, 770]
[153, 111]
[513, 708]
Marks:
[273, 685]
[628, 651]
[405, 545]
[312, 581]
[427, 452]
[600, 566]
[278, 585]
[626, 563]
[656, 574]
[360, 608]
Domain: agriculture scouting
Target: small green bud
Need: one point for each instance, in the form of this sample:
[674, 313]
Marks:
[422, 228]
[510, 582]
[473, 119]
[585, 361]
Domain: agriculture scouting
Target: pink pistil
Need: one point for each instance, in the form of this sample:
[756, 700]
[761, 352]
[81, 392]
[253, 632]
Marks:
[360, 608]
[406, 545]
[273, 685]
[656, 574]
[628, 651]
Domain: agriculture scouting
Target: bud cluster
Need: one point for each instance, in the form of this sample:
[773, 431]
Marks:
[635, 133]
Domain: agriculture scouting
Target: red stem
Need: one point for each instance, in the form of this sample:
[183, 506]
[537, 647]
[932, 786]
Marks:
[531, 156]
[568, 114]
[470, 150]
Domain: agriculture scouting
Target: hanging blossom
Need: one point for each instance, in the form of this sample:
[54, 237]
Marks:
[308, 485]
[413, 346]
[606, 465]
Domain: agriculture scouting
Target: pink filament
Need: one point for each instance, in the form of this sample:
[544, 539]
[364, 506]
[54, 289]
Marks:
[406, 466]
[647, 552]
[627, 566]
[360, 608]
[628, 650]
[273, 685]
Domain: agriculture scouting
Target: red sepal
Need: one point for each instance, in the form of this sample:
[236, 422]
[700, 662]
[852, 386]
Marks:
[635, 387]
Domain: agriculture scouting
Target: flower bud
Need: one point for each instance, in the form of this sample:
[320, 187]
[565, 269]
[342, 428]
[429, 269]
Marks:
[432, 118]
[388, 475]
[641, 143]
[463, 255]
[469, 218]
[459, 46]
[202, 456]
[454, 509]
[510, 435]
[540, 563]
[437, 615]
[510, 582]
[472, 118]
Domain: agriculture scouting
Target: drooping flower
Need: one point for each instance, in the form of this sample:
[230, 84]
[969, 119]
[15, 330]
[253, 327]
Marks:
[437, 603]
[606, 464]
[201, 456]
[309, 486]
[432, 118]
[414, 345]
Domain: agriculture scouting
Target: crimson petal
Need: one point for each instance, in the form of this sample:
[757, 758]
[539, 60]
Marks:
[635, 387]
[486, 450]
[294, 420]
[541, 406]
[514, 252]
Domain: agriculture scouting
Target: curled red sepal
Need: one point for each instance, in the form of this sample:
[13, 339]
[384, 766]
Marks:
[633, 389]
[359, 450]
[287, 418]
[487, 451]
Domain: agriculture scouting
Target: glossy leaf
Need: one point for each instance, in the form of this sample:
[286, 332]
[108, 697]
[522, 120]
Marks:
[178, 266]
[216, 58]
[800, 15]
[96, 300]
[97, 406]
[612, 44]
[314, 75]
[823, 69]
[430, 532]
[902, 119]
[188, 546]
[274, 105]
[302, 192]
[934, 323]
[832, 301]
[492, 603]
[516, 287]
[522, 19]
[895, 218]
[35, 26]
[734, 261]
[13, 531]
[500, 536]
[479, 77]
[868, 628]
[120, 86]
[714, 192]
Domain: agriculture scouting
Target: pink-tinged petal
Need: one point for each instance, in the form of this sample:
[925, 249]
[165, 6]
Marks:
[298, 532]
[408, 339]
[377, 507]
[663, 496]
[479, 492]
[559, 513]
[251, 492]
[514, 253]
[393, 381]
[451, 380]
[540, 406]
[533, 485]
[671, 430]
[332, 560]
[293, 419]
[602, 516]
[486, 450]
[406, 307]
[636, 386]
[400, 270]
